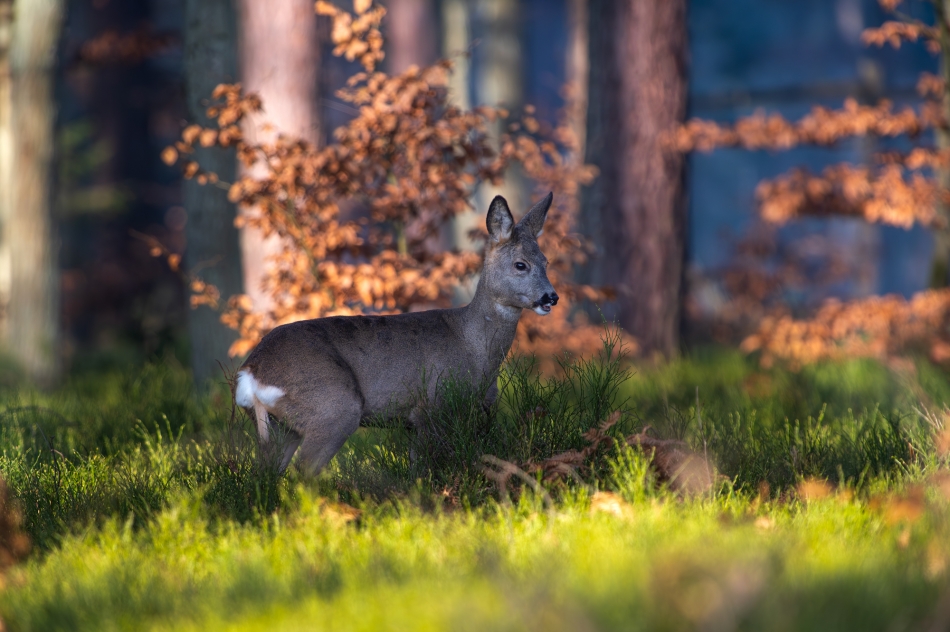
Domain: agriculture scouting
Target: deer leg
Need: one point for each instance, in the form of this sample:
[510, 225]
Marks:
[325, 428]
[279, 447]
[290, 447]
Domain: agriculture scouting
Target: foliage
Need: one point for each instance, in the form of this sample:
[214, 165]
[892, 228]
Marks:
[360, 220]
[901, 189]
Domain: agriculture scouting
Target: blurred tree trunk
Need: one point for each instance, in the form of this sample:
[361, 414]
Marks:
[34, 279]
[940, 266]
[578, 69]
[412, 34]
[456, 42]
[499, 67]
[638, 54]
[6, 161]
[210, 58]
[280, 60]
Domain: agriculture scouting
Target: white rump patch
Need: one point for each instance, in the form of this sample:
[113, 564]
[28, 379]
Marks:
[252, 394]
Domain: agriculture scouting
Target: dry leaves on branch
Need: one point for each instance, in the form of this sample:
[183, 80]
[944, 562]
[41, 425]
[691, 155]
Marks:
[822, 127]
[876, 327]
[894, 32]
[131, 48]
[201, 293]
[356, 36]
[880, 195]
[901, 190]
[408, 162]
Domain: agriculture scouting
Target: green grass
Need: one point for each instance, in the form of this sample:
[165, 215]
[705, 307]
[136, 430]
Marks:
[148, 508]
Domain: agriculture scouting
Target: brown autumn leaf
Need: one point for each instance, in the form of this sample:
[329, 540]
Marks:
[608, 502]
[169, 156]
[812, 489]
[907, 508]
[340, 513]
[14, 543]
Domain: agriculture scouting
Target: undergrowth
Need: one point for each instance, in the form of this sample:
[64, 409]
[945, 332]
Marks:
[146, 504]
[127, 444]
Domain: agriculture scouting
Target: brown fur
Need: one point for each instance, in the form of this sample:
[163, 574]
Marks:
[336, 372]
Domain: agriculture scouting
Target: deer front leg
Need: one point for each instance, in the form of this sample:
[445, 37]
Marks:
[490, 396]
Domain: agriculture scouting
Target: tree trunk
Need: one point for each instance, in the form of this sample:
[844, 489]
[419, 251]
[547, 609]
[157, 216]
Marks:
[940, 268]
[578, 70]
[6, 161]
[411, 35]
[638, 53]
[456, 42]
[210, 58]
[280, 59]
[34, 279]
[499, 78]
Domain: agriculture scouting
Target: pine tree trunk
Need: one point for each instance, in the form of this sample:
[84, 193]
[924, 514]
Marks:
[280, 60]
[34, 279]
[411, 34]
[638, 53]
[499, 67]
[578, 70]
[6, 161]
[940, 268]
[210, 58]
[456, 42]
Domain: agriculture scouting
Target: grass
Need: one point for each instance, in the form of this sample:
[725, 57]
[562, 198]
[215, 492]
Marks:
[148, 509]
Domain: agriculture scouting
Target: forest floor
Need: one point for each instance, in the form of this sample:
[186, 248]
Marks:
[146, 507]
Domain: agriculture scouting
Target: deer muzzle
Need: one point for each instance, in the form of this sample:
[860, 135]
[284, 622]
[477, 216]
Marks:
[546, 302]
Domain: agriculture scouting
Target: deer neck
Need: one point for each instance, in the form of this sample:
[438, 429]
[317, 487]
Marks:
[489, 325]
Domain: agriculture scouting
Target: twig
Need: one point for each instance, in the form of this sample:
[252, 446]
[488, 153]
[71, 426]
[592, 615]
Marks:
[509, 469]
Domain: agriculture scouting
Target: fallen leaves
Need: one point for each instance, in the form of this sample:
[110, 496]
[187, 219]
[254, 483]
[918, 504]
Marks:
[672, 461]
[14, 544]
[609, 503]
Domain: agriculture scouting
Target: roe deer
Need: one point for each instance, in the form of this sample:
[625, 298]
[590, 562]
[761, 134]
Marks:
[320, 378]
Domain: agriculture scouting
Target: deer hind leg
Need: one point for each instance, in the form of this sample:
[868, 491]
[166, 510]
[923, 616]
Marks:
[280, 447]
[325, 427]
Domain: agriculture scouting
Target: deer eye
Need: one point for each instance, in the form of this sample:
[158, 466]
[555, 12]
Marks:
[520, 265]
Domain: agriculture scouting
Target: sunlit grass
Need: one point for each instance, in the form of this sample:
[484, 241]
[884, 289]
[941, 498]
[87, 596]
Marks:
[148, 508]
[662, 563]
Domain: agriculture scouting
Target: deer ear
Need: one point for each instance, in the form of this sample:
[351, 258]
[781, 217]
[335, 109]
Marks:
[534, 219]
[500, 222]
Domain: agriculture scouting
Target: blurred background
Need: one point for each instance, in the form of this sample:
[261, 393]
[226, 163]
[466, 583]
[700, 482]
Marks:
[92, 92]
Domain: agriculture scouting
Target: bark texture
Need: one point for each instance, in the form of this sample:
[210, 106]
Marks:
[33, 333]
[940, 267]
[6, 161]
[210, 58]
[456, 43]
[412, 34]
[638, 53]
[279, 60]
[499, 67]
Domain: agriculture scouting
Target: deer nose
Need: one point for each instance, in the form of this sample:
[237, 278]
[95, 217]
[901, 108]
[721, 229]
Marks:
[549, 299]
